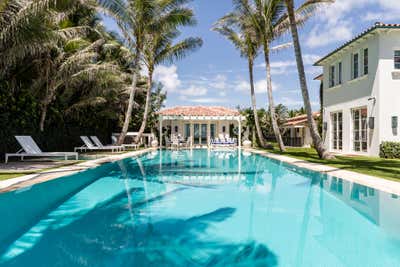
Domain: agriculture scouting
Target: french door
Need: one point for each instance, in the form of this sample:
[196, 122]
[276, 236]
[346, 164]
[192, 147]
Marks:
[203, 134]
[196, 134]
[360, 137]
[337, 130]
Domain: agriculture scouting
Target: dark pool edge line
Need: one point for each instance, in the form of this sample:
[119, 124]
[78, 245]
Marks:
[388, 186]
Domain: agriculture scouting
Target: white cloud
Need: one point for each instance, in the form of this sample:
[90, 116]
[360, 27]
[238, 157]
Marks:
[204, 100]
[285, 67]
[324, 35]
[334, 22]
[219, 82]
[194, 91]
[310, 59]
[388, 10]
[168, 76]
[260, 86]
[291, 102]
[242, 86]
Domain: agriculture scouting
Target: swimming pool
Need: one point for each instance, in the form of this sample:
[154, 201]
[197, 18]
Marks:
[199, 208]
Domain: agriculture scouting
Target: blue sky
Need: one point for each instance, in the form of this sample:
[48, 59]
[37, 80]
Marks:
[216, 75]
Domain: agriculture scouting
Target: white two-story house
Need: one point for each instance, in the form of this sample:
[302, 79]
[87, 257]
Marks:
[361, 91]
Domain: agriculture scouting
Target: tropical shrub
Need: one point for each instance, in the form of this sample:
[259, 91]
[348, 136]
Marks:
[389, 150]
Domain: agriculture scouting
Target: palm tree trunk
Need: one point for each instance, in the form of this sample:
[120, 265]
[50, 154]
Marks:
[131, 101]
[43, 117]
[318, 144]
[275, 126]
[254, 105]
[147, 104]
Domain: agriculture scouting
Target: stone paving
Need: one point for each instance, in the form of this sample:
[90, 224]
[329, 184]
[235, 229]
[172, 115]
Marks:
[388, 186]
[31, 179]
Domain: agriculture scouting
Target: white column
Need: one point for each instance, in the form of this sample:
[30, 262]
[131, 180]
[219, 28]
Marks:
[191, 134]
[208, 133]
[160, 122]
[240, 132]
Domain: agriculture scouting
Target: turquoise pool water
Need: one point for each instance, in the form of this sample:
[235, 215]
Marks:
[199, 208]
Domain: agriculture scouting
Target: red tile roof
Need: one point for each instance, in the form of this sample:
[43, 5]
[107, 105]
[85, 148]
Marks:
[199, 111]
[300, 120]
[377, 25]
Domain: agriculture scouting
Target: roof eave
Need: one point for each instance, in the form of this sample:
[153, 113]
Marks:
[320, 62]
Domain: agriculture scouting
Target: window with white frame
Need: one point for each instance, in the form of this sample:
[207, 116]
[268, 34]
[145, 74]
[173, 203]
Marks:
[354, 66]
[365, 54]
[340, 73]
[397, 59]
[332, 76]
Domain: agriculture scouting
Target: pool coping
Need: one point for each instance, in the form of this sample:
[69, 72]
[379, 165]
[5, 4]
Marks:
[381, 184]
[29, 180]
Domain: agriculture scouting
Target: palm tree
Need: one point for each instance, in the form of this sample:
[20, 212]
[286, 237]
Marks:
[237, 28]
[26, 29]
[158, 49]
[136, 19]
[266, 15]
[307, 6]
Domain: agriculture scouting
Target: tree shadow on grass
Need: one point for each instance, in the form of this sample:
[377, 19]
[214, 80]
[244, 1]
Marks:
[114, 234]
[385, 167]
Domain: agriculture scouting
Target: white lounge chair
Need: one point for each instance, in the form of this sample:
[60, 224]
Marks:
[31, 149]
[175, 142]
[98, 143]
[88, 145]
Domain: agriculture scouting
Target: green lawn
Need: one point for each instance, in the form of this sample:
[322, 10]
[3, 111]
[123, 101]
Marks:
[5, 176]
[385, 168]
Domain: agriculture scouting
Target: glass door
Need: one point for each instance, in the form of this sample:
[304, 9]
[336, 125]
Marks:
[360, 138]
[337, 130]
[196, 133]
[203, 134]
[187, 130]
[212, 131]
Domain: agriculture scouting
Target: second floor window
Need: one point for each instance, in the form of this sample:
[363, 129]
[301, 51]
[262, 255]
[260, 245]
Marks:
[355, 66]
[397, 59]
[331, 76]
[340, 73]
[365, 61]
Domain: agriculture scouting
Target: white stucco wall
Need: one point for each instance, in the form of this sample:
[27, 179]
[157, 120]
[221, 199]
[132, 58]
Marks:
[389, 92]
[353, 93]
[379, 84]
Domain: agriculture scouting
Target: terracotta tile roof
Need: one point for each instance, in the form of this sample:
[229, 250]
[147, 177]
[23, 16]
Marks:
[300, 120]
[377, 25]
[199, 111]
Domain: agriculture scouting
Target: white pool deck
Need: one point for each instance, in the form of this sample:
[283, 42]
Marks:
[31, 179]
[382, 184]
[388, 186]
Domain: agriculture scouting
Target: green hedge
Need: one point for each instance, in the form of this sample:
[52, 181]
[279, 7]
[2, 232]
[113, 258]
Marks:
[390, 150]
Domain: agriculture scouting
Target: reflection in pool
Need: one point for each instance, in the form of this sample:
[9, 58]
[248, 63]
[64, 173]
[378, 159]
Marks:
[199, 208]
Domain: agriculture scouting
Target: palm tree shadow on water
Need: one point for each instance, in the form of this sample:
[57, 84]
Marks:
[107, 236]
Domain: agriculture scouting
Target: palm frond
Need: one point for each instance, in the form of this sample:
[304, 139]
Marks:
[179, 50]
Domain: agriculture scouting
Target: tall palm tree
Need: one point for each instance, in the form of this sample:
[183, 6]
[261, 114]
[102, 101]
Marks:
[307, 6]
[136, 19]
[265, 15]
[237, 28]
[158, 49]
